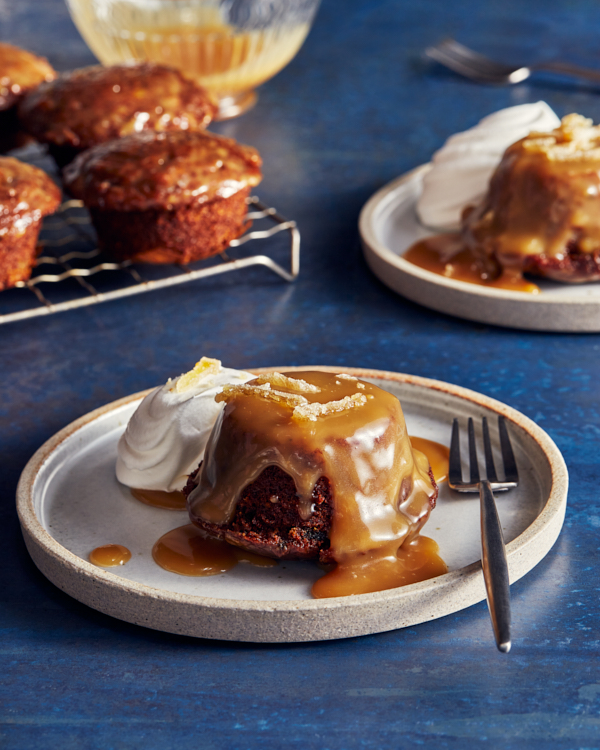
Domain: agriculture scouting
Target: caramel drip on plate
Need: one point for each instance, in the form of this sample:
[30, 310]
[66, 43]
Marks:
[328, 425]
[110, 555]
[160, 499]
[188, 552]
[444, 255]
[415, 561]
[437, 454]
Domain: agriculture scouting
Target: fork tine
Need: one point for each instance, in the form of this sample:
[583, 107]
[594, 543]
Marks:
[458, 66]
[508, 457]
[455, 465]
[487, 447]
[480, 63]
[473, 463]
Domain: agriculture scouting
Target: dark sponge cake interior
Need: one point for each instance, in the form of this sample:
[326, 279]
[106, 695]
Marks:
[267, 521]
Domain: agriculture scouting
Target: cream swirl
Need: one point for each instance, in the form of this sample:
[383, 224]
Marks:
[463, 166]
[167, 434]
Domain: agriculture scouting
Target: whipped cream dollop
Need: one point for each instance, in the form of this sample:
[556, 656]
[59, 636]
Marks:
[463, 166]
[167, 434]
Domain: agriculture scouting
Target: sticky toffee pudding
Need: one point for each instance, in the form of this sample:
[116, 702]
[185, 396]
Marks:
[316, 465]
[540, 216]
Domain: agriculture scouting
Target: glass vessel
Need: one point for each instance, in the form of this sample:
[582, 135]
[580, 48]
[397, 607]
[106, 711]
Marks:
[228, 46]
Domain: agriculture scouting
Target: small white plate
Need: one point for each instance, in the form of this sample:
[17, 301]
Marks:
[69, 502]
[389, 225]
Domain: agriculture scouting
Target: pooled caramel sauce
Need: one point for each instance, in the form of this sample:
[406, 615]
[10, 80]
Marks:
[437, 454]
[445, 255]
[110, 555]
[188, 552]
[415, 561]
[160, 499]
[314, 424]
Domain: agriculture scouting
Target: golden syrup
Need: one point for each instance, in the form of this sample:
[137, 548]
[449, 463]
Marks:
[160, 499]
[110, 555]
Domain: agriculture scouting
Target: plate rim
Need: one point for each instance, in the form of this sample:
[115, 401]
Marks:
[42, 546]
[376, 250]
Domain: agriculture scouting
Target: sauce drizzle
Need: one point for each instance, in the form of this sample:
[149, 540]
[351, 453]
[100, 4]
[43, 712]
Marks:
[188, 552]
[445, 255]
[161, 499]
[110, 555]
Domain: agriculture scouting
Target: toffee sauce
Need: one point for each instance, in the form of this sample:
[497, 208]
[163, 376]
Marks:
[188, 552]
[110, 555]
[437, 454]
[160, 499]
[445, 255]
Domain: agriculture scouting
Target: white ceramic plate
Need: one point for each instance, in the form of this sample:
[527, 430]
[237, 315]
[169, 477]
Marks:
[389, 225]
[69, 502]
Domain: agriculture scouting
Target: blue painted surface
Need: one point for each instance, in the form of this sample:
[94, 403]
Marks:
[355, 109]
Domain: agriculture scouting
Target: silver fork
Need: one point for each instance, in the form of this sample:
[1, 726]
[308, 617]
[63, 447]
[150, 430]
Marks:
[479, 68]
[493, 552]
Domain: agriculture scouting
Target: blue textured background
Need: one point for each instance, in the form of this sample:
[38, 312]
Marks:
[356, 108]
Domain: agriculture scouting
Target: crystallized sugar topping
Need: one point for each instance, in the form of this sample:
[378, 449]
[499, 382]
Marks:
[262, 390]
[203, 369]
[279, 380]
[303, 409]
[313, 411]
[576, 139]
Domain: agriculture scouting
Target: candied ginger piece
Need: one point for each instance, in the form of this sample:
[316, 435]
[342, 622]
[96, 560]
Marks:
[262, 390]
[201, 370]
[576, 139]
[279, 380]
[313, 411]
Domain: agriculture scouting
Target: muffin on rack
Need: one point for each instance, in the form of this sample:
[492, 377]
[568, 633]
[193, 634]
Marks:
[20, 71]
[26, 195]
[171, 197]
[92, 105]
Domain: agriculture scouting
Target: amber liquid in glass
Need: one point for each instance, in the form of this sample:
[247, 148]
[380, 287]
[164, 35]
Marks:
[189, 35]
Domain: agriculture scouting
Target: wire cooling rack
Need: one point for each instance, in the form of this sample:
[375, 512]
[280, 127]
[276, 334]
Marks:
[71, 271]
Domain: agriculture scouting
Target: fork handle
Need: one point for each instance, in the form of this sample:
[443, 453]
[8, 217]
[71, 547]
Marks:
[495, 568]
[569, 70]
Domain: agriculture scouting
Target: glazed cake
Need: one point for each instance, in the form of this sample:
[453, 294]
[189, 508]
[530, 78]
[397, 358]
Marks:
[313, 465]
[171, 197]
[92, 105]
[26, 195]
[20, 72]
[541, 214]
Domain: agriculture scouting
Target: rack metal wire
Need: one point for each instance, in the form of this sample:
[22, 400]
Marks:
[68, 243]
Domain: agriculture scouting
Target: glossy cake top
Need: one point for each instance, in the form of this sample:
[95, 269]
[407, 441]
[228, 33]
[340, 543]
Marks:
[26, 195]
[162, 170]
[20, 71]
[96, 104]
